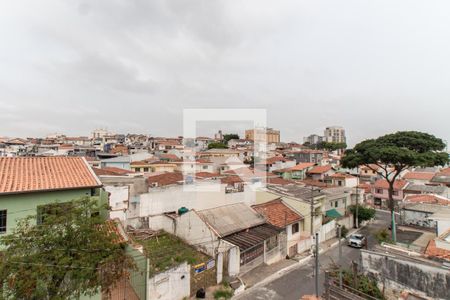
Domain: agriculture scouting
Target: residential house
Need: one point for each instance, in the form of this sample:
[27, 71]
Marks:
[28, 184]
[442, 178]
[345, 180]
[418, 214]
[442, 219]
[239, 143]
[369, 173]
[121, 162]
[299, 198]
[306, 156]
[320, 173]
[280, 215]
[152, 166]
[297, 172]
[336, 202]
[418, 177]
[275, 163]
[237, 236]
[439, 248]
[380, 192]
[427, 198]
[420, 189]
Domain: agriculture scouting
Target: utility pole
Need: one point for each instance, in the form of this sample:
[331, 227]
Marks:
[357, 198]
[312, 211]
[317, 265]
[340, 255]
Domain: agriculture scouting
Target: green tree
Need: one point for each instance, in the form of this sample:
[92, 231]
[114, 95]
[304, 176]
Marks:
[228, 137]
[331, 146]
[394, 153]
[69, 253]
[217, 145]
[364, 213]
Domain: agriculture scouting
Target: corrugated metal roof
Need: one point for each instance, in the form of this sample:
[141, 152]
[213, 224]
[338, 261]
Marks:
[252, 237]
[232, 218]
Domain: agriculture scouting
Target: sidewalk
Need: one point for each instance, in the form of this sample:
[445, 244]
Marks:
[267, 273]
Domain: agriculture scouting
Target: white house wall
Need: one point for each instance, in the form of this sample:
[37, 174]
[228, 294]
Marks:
[160, 200]
[173, 284]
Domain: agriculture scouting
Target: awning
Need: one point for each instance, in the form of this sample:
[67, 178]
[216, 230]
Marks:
[253, 236]
[333, 213]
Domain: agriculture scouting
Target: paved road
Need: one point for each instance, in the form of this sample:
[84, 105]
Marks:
[300, 281]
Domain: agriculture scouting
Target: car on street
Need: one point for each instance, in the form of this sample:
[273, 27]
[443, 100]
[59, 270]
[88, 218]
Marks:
[357, 240]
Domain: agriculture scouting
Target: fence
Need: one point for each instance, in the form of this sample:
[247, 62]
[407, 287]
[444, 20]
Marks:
[327, 231]
[334, 291]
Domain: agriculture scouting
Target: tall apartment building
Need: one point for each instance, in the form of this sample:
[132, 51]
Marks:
[259, 134]
[313, 139]
[335, 134]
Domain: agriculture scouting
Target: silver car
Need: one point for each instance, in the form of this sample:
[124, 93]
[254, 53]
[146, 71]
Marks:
[357, 240]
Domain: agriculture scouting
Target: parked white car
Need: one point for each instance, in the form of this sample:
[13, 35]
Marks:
[357, 240]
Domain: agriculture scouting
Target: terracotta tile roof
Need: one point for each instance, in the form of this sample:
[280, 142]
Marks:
[111, 171]
[114, 228]
[165, 179]
[278, 181]
[383, 184]
[320, 169]
[434, 251]
[445, 171]
[231, 180]
[30, 174]
[342, 175]
[302, 166]
[317, 183]
[370, 167]
[427, 198]
[168, 156]
[206, 175]
[277, 213]
[365, 186]
[419, 176]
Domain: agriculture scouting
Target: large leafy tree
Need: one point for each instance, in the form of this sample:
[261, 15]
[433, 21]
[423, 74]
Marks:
[391, 154]
[70, 252]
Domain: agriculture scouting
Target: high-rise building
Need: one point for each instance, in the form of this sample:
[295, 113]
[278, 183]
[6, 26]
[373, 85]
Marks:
[259, 134]
[313, 139]
[335, 134]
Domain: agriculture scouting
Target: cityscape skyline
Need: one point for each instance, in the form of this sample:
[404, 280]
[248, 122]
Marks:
[134, 67]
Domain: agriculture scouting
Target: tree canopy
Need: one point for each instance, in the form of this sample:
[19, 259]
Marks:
[331, 146]
[399, 150]
[230, 136]
[394, 153]
[70, 252]
[217, 145]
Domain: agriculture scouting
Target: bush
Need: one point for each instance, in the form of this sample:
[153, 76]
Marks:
[364, 213]
[223, 294]
[382, 236]
[344, 232]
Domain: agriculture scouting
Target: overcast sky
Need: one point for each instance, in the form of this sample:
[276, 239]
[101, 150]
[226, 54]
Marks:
[132, 66]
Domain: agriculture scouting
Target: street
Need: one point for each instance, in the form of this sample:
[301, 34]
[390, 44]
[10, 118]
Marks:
[300, 281]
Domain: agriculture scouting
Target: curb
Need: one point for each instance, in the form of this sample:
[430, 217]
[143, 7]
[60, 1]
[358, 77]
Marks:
[288, 269]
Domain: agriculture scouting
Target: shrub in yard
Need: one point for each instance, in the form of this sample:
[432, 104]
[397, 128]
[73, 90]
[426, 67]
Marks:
[223, 294]
[364, 213]
[344, 231]
[382, 236]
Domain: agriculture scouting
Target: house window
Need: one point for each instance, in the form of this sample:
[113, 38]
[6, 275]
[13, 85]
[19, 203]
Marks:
[137, 169]
[336, 204]
[379, 191]
[295, 228]
[2, 220]
[340, 183]
[145, 169]
[204, 167]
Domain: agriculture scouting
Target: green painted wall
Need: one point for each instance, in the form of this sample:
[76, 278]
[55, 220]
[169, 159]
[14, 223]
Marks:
[19, 206]
[138, 278]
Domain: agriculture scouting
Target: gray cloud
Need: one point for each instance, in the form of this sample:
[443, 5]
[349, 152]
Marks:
[373, 67]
